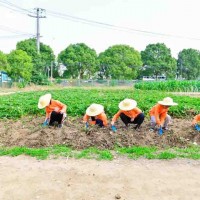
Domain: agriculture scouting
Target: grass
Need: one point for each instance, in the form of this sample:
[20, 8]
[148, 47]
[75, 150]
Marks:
[133, 152]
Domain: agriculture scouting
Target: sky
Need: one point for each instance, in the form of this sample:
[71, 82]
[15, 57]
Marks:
[102, 23]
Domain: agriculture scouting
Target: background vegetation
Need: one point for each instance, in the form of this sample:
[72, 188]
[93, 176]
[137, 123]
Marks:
[117, 62]
[169, 86]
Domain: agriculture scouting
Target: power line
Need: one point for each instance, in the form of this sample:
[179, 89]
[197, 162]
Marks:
[14, 36]
[14, 7]
[64, 16]
[11, 30]
[119, 28]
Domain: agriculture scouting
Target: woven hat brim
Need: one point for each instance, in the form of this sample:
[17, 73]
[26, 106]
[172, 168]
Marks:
[167, 104]
[46, 98]
[126, 108]
[99, 110]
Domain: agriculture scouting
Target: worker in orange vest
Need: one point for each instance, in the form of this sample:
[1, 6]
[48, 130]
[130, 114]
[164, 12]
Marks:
[95, 115]
[195, 122]
[55, 110]
[159, 114]
[129, 114]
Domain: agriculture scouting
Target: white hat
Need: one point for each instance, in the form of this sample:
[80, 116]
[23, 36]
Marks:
[167, 101]
[127, 104]
[94, 109]
[44, 101]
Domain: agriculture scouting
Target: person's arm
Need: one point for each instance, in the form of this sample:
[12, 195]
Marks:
[157, 116]
[163, 117]
[104, 119]
[86, 118]
[135, 113]
[115, 117]
[47, 113]
[62, 106]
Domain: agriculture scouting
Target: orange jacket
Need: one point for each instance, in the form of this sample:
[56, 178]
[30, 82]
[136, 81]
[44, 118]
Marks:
[55, 106]
[101, 116]
[159, 112]
[196, 119]
[130, 113]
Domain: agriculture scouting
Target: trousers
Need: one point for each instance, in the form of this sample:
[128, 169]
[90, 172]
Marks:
[56, 117]
[138, 120]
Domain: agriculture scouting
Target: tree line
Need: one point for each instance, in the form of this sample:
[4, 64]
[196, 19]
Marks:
[81, 61]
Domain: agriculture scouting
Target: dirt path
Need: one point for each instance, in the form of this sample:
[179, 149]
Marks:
[24, 178]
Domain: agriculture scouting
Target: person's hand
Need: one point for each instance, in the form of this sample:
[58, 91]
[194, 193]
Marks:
[160, 130]
[86, 125]
[114, 129]
[56, 109]
[46, 123]
[132, 119]
[112, 123]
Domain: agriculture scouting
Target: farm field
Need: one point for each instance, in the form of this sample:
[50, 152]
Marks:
[64, 177]
[21, 120]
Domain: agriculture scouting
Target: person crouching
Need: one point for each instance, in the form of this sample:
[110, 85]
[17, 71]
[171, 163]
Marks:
[95, 115]
[159, 113]
[195, 122]
[129, 113]
[55, 110]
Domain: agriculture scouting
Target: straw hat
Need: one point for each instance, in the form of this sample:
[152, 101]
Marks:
[94, 109]
[167, 101]
[44, 101]
[127, 104]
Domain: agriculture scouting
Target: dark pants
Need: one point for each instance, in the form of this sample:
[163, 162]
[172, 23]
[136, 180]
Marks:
[127, 120]
[98, 121]
[55, 117]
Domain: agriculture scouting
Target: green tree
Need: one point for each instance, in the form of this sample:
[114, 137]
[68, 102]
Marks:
[21, 65]
[120, 62]
[189, 64]
[4, 66]
[157, 60]
[79, 59]
[41, 61]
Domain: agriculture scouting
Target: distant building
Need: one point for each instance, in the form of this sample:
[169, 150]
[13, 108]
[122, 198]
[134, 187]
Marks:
[61, 69]
[4, 78]
[154, 78]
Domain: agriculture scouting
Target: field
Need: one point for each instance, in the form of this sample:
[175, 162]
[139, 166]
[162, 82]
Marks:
[21, 122]
[62, 169]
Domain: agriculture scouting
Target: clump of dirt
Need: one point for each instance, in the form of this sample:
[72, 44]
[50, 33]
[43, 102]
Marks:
[29, 132]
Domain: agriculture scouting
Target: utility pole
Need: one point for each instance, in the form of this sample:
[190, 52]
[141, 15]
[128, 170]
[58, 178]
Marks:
[51, 71]
[40, 13]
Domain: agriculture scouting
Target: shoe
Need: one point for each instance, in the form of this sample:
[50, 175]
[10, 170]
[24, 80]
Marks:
[60, 125]
[151, 130]
[165, 128]
[137, 129]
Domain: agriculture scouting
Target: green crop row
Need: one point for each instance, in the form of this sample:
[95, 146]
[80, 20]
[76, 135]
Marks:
[169, 86]
[21, 104]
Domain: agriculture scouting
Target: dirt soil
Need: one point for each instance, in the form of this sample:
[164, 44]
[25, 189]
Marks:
[29, 132]
[25, 178]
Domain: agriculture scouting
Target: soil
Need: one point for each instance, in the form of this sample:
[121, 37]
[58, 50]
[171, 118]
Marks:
[25, 178]
[29, 132]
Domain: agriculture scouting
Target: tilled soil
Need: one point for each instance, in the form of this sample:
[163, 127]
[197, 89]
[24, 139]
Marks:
[29, 132]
